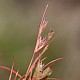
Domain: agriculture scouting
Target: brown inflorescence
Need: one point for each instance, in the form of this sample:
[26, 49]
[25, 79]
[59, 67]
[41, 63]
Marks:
[36, 69]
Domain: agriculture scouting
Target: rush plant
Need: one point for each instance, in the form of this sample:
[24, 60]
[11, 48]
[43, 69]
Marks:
[36, 69]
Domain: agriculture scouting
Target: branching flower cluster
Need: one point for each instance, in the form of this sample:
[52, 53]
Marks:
[36, 69]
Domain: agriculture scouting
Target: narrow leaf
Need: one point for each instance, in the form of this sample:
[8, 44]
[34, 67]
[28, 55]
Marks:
[11, 71]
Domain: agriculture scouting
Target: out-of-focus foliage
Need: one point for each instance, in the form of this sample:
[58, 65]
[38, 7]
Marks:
[19, 21]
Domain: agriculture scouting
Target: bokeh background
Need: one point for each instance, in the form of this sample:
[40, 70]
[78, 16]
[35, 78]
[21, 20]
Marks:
[19, 21]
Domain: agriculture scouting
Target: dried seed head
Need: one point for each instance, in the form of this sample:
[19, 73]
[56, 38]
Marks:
[37, 70]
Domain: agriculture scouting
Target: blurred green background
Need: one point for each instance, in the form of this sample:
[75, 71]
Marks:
[19, 21]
